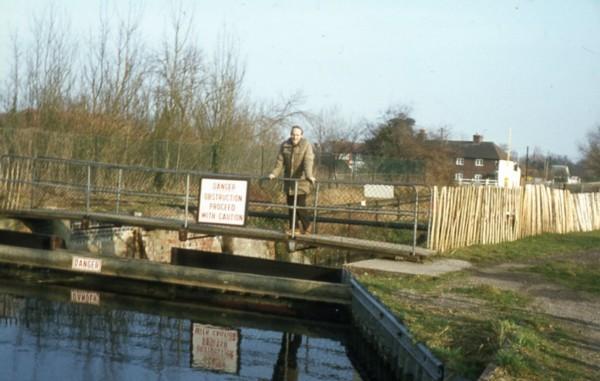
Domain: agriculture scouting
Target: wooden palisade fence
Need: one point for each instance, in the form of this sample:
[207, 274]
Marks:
[468, 215]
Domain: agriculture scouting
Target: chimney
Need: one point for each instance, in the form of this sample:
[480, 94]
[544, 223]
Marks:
[477, 138]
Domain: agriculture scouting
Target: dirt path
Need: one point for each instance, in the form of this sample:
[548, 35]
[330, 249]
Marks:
[576, 311]
[552, 298]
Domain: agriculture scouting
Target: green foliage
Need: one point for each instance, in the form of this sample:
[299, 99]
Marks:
[395, 138]
[529, 248]
[502, 299]
[403, 236]
[576, 276]
[469, 326]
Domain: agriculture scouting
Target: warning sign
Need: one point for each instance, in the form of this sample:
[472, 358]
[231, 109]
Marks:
[223, 201]
[87, 264]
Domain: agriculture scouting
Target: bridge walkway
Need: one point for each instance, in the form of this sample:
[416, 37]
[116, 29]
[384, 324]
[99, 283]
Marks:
[383, 219]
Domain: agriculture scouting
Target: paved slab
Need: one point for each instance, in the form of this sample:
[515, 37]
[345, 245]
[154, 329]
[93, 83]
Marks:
[433, 268]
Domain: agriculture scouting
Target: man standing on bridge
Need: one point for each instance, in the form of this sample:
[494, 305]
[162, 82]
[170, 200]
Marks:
[296, 159]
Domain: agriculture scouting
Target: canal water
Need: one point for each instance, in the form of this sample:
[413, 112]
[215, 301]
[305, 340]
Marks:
[61, 332]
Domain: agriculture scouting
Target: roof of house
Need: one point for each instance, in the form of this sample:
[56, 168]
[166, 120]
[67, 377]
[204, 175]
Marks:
[478, 150]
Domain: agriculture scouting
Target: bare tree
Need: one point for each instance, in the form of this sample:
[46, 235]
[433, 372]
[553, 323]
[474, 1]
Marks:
[327, 126]
[180, 80]
[273, 118]
[13, 84]
[116, 82]
[49, 76]
[336, 141]
[222, 116]
[116, 92]
[590, 152]
[96, 70]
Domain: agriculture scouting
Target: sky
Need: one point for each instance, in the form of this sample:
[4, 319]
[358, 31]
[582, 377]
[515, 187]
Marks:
[520, 73]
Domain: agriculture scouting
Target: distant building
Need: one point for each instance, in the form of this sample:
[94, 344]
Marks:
[480, 162]
[560, 174]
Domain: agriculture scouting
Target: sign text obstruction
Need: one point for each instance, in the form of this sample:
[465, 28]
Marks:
[223, 201]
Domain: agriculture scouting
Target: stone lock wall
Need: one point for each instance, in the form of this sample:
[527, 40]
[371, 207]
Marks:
[155, 245]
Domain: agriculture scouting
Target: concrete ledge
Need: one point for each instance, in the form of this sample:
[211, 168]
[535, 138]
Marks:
[136, 269]
[434, 268]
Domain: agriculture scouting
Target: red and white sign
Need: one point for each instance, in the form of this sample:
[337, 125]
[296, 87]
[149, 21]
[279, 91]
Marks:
[93, 265]
[215, 348]
[85, 297]
[223, 201]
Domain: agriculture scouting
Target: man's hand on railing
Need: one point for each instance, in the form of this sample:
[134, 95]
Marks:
[271, 176]
[313, 180]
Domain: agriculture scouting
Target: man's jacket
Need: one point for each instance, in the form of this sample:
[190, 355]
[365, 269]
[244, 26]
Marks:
[296, 162]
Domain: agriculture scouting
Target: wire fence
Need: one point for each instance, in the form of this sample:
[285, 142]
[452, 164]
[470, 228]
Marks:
[142, 150]
[383, 212]
[250, 158]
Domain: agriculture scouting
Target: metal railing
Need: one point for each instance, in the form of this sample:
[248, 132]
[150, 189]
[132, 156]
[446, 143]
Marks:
[384, 212]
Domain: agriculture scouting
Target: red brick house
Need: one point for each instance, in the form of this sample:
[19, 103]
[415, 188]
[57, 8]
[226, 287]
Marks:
[476, 160]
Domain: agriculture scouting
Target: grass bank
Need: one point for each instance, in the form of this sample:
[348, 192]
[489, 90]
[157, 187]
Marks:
[469, 325]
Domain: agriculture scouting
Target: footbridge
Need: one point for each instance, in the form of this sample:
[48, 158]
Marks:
[381, 219]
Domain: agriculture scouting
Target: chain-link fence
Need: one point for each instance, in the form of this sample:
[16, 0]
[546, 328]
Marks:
[256, 159]
[251, 158]
[350, 166]
[377, 211]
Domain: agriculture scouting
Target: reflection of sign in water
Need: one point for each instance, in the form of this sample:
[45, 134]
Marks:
[85, 297]
[223, 201]
[87, 264]
[215, 348]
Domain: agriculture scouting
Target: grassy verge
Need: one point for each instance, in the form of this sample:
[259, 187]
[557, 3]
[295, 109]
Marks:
[575, 276]
[469, 325]
[530, 248]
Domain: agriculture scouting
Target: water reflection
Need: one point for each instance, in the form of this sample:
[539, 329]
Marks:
[286, 367]
[54, 332]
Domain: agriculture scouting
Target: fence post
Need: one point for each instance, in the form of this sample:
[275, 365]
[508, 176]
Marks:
[416, 219]
[430, 215]
[31, 203]
[88, 188]
[294, 208]
[262, 160]
[399, 206]
[3, 180]
[187, 200]
[315, 230]
[119, 185]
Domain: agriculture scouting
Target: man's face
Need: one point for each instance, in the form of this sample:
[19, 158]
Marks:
[296, 135]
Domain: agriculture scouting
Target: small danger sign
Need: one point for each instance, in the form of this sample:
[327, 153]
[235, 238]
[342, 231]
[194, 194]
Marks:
[87, 264]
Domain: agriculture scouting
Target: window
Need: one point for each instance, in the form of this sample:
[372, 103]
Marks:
[479, 162]
[458, 176]
[478, 176]
[460, 161]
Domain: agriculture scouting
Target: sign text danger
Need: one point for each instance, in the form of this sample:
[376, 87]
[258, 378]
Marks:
[87, 264]
[223, 201]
